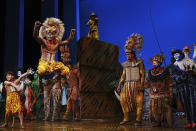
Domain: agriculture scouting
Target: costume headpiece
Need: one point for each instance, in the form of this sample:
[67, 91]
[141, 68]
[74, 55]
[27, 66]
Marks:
[52, 24]
[93, 17]
[186, 49]
[158, 58]
[135, 41]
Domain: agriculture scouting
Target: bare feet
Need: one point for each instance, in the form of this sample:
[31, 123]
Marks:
[4, 125]
[77, 119]
[12, 126]
[22, 126]
[66, 117]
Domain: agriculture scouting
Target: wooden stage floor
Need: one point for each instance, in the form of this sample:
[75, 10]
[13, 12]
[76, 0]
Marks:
[89, 125]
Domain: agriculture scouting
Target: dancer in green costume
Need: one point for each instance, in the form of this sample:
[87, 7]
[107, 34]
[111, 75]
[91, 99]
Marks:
[38, 94]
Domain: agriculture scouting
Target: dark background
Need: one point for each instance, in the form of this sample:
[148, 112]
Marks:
[32, 11]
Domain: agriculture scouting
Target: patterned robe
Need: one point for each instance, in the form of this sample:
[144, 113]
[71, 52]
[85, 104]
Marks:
[160, 96]
[131, 96]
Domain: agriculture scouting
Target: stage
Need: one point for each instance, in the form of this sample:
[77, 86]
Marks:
[91, 125]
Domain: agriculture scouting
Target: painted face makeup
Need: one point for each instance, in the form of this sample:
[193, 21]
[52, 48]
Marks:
[155, 63]
[19, 73]
[177, 56]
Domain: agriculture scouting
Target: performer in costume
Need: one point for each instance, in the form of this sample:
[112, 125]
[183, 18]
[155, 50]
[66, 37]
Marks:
[13, 103]
[161, 94]
[21, 92]
[38, 94]
[131, 96]
[28, 102]
[64, 95]
[50, 37]
[74, 86]
[184, 80]
[93, 24]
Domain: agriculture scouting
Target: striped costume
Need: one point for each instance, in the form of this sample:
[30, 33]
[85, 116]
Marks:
[131, 96]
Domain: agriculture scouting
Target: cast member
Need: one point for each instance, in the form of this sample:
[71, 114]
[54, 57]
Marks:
[161, 94]
[13, 103]
[131, 96]
[93, 23]
[184, 80]
[74, 86]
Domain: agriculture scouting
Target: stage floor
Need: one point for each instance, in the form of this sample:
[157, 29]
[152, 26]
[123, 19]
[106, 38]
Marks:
[89, 125]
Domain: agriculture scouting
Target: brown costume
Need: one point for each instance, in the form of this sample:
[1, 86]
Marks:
[160, 84]
[74, 85]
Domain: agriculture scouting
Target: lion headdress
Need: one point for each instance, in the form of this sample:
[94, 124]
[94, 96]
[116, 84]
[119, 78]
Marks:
[52, 27]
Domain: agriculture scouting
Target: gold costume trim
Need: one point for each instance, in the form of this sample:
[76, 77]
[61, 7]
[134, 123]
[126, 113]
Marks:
[45, 68]
[13, 103]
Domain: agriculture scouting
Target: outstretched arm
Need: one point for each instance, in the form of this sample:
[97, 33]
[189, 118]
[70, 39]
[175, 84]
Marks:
[36, 33]
[71, 37]
[12, 84]
[29, 71]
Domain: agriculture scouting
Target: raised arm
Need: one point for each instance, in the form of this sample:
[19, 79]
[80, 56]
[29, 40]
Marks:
[29, 71]
[71, 37]
[36, 33]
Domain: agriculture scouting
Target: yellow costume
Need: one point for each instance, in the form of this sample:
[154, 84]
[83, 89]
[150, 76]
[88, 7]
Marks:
[13, 104]
[93, 23]
[49, 67]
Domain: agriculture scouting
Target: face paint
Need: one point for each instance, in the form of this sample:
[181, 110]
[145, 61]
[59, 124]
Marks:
[177, 56]
[155, 63]
[19, 73]
[27, 81]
